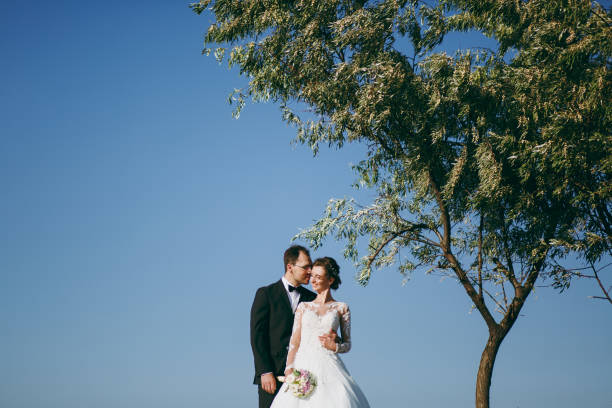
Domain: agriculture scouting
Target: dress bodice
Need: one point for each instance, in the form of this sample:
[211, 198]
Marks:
[313, 320]
[315, 325]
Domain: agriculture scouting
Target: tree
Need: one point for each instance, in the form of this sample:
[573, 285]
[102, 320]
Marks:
[490, 165]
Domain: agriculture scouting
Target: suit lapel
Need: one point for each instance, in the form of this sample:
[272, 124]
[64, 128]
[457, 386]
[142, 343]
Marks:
[302, 293]
[282, 293]
[306, 295]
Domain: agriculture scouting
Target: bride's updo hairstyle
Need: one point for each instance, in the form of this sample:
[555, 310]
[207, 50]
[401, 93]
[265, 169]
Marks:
[331, 269]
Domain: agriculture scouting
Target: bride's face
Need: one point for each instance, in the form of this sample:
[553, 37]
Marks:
[319, 279]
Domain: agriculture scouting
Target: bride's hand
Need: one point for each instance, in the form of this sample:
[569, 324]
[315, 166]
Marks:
[288, 371]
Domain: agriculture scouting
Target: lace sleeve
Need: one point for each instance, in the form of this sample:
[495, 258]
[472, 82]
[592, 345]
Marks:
[345, 330]
[296, 336]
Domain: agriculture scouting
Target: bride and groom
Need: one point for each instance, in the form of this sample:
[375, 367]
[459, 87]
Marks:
[294, 328]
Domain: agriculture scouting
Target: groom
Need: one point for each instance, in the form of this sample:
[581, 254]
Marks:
[272, 321]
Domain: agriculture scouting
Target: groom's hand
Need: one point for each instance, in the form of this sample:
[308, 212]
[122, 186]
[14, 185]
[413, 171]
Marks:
[268, 383]
[329, 340]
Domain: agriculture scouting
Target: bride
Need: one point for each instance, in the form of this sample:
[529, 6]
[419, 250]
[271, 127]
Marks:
[312, 346]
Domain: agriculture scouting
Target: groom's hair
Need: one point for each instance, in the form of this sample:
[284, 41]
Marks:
[293, 253]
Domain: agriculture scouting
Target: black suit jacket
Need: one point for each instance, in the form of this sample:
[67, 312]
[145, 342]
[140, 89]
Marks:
[271, 326]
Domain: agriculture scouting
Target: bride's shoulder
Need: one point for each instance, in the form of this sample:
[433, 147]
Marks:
[341, 305]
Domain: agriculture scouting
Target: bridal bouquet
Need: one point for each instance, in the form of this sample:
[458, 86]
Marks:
[301, 383]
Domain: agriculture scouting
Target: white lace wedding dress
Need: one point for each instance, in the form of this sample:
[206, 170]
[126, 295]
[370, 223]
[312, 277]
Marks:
[335, 386]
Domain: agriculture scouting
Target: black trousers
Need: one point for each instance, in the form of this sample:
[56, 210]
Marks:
[265, 399]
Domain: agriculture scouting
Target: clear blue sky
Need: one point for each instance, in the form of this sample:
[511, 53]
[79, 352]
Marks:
[138, 218]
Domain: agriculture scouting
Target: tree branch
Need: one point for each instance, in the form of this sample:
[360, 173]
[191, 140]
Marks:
[522, 292]
[425, 240]
[510, 270]
[601, 18]
[480, 257]
[507, 273]
[447, 252]
[501, 307]
[372, 257]
[600, 285]
[504, 292]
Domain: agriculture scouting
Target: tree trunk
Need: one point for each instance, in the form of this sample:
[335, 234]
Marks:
[485, 370]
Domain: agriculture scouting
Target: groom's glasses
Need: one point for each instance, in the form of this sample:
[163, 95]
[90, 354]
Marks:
[305, 267]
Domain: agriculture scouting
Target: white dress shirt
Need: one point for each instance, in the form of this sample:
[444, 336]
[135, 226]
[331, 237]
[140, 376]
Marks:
[294, 297]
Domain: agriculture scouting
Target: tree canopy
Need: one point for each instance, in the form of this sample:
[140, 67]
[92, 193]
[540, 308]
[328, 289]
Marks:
[490, 165]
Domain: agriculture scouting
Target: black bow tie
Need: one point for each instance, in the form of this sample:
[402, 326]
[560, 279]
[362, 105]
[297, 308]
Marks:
[291, 288]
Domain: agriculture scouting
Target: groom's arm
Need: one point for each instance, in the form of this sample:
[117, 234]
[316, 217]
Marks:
[260, 340]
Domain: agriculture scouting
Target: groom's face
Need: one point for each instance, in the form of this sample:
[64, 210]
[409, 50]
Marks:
[301, 269]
